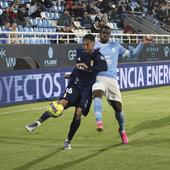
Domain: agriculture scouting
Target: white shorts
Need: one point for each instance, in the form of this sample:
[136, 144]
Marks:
[109, 86]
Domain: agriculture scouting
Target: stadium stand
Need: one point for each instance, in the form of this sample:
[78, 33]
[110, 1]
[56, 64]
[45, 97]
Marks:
[50, 17]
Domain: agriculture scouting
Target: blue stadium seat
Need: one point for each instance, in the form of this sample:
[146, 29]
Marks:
[53, 29]
[25, 29]
[36, 29]
[20, 29]
[32, 41]
[25, 1]
[44, 23]
[47, 15]
[26, 40]
[39, 22]
[45, 29]
[52, 15]
[60, 9]
[1, 4]
[49, 24]
[34, 22]
[1, 11]
[31, 29]
[5, 4]
[56, 15]
[50, 29]
[40, 29]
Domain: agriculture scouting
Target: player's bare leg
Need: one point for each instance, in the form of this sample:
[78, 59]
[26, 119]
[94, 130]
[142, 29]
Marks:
[54, 109]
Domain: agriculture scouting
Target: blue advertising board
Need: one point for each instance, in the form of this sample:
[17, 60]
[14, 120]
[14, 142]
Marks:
[31, 85]
[48, 84]
[143, 75]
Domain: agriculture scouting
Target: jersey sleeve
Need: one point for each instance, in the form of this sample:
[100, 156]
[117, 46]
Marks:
[133, 52]
[121, 49]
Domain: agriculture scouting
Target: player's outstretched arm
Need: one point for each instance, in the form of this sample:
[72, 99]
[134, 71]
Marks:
[136, 51]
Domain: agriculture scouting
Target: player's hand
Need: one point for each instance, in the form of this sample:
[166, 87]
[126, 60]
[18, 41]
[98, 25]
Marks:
[147, 40]
[82, 66]
[67, 75]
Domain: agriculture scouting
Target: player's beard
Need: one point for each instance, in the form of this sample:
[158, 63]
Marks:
[104, 41]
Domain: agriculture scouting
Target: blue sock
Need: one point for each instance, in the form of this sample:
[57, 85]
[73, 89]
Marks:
[98, 109]
[121, 120]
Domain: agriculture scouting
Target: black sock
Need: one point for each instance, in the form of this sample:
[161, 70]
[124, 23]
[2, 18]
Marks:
[44, 117]
[73, 128]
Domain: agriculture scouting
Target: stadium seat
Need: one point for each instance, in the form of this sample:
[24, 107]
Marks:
[5, 4]
[60, 9]
[25, 1]
[39, 22]
[44, 23]
[112, 25]
[77, 24]
[31, 29]
[1, 11]
[35, 29]
[43, 15]
[52, 15]
[50, 29]
[1, 4]
[49, 23]
[47, 15]
[34, 22]
[54, 9]
[56, 15]
[20, 29]
[40, 29]
[115, 25]
[25, 29]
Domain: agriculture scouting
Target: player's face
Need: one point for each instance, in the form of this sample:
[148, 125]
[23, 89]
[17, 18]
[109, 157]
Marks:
[105, 35]
[88, 46]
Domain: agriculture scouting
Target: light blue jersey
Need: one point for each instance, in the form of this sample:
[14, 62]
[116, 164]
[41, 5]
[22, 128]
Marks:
[112, 51]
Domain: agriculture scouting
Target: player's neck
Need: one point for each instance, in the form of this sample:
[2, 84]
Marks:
[104, 43]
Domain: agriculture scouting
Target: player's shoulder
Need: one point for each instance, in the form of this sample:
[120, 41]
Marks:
[96, 51]
[116, 45]
[80, 50]
[113, 44]
[98, 54]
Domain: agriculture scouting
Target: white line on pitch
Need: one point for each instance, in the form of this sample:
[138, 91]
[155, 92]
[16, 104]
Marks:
[23, 110]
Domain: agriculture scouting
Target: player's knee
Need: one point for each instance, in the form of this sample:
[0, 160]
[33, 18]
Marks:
[78, 117]
[78, 113]
[55, 109]
[117, 106]
[98, 93]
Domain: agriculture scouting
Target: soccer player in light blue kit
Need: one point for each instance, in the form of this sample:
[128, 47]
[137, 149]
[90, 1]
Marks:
[106, 82]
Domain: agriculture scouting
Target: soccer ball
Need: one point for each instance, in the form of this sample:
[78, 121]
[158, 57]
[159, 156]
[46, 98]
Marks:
[55, 109]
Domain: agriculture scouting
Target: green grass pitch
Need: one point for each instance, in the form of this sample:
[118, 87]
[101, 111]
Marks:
[148, 127]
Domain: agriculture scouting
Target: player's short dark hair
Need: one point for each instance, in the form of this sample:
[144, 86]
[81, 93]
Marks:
[89, 37]
[105, 28]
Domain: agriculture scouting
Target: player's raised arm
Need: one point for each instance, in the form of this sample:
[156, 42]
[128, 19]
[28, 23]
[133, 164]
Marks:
[136, 51]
